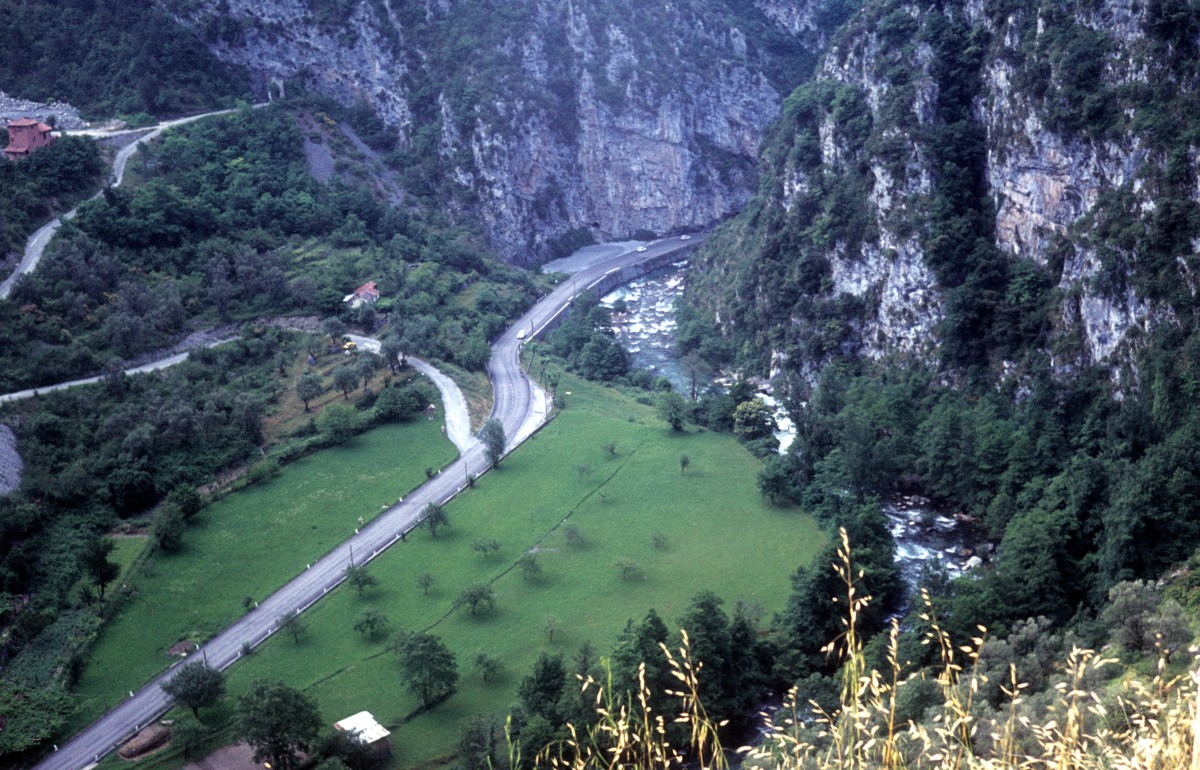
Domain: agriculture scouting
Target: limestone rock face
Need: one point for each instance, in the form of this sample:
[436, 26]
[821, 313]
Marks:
[1088, 191]
[546, 117]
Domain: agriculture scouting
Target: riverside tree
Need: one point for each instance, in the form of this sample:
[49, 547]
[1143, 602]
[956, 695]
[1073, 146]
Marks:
[672, 409]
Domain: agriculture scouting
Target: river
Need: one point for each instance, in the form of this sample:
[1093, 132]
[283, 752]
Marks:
[924, 536]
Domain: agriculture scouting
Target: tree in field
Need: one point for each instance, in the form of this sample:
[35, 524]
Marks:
[574, 536]
[551, 625]
[196, 686]
[627, 567]
[99, 568]
[429, 667]
[335, 328]
[480, 595]
[488, 665]
[308, 387]
[360, 579]
[345, 379]
[187, 498]
[486, 546]
[672, 409]
[371, 624]
[338, 423]
[397, 404]
[494, 440]
[531, 567]
[368, 364]
[314, 344]
[435, 517]
[169, 524]
[278, 722]
[292, 623]
[425, 581]
[684, 462]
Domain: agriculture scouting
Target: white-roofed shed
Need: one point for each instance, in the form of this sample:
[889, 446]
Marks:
[363, 728]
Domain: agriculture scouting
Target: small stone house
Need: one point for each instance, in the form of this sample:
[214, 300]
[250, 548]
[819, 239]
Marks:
[367, 294]
[363, 729]
[26, 136]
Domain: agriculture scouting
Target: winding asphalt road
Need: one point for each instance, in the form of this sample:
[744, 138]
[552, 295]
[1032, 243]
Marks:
[521, 407]
[36, 245]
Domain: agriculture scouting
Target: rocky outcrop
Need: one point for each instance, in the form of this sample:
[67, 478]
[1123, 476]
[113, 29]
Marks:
[1074, 113]
[548, 117]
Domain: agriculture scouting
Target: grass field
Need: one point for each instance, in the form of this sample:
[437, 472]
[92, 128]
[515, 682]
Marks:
[249, 544]
[719, 535]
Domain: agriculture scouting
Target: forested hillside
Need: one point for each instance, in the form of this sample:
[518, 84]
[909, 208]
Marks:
[111, 58]
[972, 268]
[223, 226]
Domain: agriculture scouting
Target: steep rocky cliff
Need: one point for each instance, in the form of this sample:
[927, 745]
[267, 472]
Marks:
[974, 183]
[552, 121]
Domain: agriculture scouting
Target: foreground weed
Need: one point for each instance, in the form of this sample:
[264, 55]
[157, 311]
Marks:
[1158, 728]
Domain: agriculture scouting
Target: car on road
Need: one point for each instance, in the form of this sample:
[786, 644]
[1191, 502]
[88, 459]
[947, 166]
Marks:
[521, 334]
[685, 237]
[641, 248]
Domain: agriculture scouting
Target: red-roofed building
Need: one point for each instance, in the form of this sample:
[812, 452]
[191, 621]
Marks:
[27, 135]
[366, 294]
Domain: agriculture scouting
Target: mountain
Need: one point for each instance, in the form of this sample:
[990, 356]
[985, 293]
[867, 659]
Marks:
[554, 122]
[978, 183]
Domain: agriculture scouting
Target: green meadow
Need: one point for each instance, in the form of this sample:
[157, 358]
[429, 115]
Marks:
[704, 528]
[248, 544]
[714, 532]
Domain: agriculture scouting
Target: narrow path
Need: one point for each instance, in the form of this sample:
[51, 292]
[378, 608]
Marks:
[458, 419]
[36, 245]
[153, 366]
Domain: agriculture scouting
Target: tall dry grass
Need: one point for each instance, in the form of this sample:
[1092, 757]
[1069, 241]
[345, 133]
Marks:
[1156, 725]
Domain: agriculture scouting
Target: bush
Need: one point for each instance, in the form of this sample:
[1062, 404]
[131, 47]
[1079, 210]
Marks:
[267, 469]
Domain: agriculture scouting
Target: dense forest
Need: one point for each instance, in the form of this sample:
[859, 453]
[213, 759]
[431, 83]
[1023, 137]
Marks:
[110, 58]
[44, 184]
[226, 225]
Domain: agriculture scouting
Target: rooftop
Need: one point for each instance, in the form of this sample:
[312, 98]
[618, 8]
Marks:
[363, 727]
